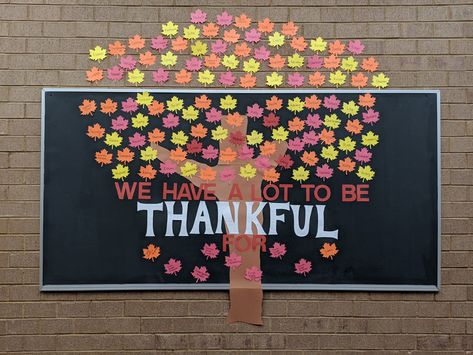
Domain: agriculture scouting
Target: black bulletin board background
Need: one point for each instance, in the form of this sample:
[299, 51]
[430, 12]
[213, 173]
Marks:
[91, 238]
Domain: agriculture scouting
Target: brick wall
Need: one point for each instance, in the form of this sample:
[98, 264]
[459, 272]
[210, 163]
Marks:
[420, 44]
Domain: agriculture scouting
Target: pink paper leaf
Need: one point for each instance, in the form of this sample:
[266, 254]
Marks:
[137, 140]
[355, 47]
[210, 250]
[119, 124]
[254, 111]
[227, 79]
[167, 167]
[198, 16]
[159, 43]
[115, 73]
[129, 105]
[303, 267]
[213, 115]
[233, 261]
[271, 120]
[370, 116]
[262, 53]
[218, 47]
[313, 120]
[295, 145]
[324, 172]
[295, 80]
[224, 19]
[172, 267]
[363, 155]
[262, 163]
[127, 62]
[331, 102]
[310, 138]
[160, 76]
[193, 64]
[210, 153]
[246, 153]
[253, 274]
[315, 62]
[278, 250]
[200, 274]
[227, 174]
[252, 36]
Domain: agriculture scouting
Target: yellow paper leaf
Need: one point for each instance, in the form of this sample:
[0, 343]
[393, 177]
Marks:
[350, 108]
[191, 32]
[276, 39]
[230, 61]
[247, 171]
[136, 76]
[228, 103]
[120, 172]
[365, 173]
[98, 53]
[332, 121]
[329, 153]
[347, 144]
[140, 121]
[144, 98]
[295, 105]
[318, 44]
[175, 104]
[337, 78]
[148, 154]
[369, 139]
[179, 138]
[380, 81]
[189, 169]
[274, 80]
[169, 29]
[300, 174]
[190, 113]
[295, 61]
[251, 66]
[206, 77]
[349, 64]
[113, 140]
[219, 133]
[254, 138]
[199, 49]
[279, 134]
[169, 59]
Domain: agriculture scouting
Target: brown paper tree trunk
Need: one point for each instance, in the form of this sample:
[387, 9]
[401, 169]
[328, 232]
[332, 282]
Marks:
[246, 297]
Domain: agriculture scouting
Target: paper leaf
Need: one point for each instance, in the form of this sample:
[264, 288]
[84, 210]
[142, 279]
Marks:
[289, 28]
[136, 42]
[139, 121]
[252, 36]
[251, 66]
[295, 80]
[276, 40]
[303, 267]
[160, 76]
[261, 53]
[324, 172]
[210, 30]
[233, 261]
[278, 250]
[366, 100]
[210, 251]
[354, 126]
[136, 76]
[96, 131]
[93, 75]
[227, 78]
[231, 36]
[198, 16]
[346, 165]
[346, 144]
[128, 62]
[218, 47]
[299, 44]
[370, 139]
[365, 173]
[331, 102]
[151, 252]
[274, 103]
[300, 174]
[254, 138]
[224, 19]
[116, 48]
[337, 78]
[200, 274]
[175, 104]
[279, 134]
[370, 64]
[172, 267]
[363, 155]
[191, 32]
[295, 105]
[179, 138]
[144, 98]
[230, 61]
[87, 107]
[190, 113]
[317, 79]
[183, 77]
[120, 172]
[380, 81]
[355, 47]
[242, 21]
[189, 169]
[336, 47]
[137, 140]
[314, 62]
[213, 115]
[113, 139]
[228, 103]
[277, 62]
[103, 157]
[115, 73]
[253, 274]
[329, 250]
[108, 107]
[167, 168]
[179, 44]
[274, 80]
[227, 174]
[247, 171]
[199, 48]
[349, 64]
[148, 154]
[125, 155]
[350, 108]
[248, 81]
[170, 121]
[206, 77]
[169, 59]
[265, 26]
[169, 29]
[97, 54]
[359, 80]
[159, 43]
[147, 172]
[329, 153]
[318, 44]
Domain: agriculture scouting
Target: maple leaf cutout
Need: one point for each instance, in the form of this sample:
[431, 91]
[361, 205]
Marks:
[172, 267]
[278, 250]
[200, 274]
[151, 252]
[329, 250]
[253, 274]
[303, 267]
[233, 261]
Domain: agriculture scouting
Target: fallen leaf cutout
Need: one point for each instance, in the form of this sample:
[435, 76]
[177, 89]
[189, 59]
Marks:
[210, 250]
[369, 139]
[168, 59]
[295, 105]
[303, 267]
[115, 73]
[103, 157]
[140, 121]
[318, 44]
[247, 171]
[210, 30]
[137, 140]
[336, 47]
[248, 81]
[155, 108]
[159, 43]
[327, 136]
[156, 136]
[380, 81]
[265, 26]
[276, 40]
[136, 77]
[253, 274]
[224, 19]
[151, 252]
[234, 119]
[242, 21]
[189, 169]
[299, 44]
[231, 36]
[277, 62]
[295, 80]
[160, 76]
[274, 80]
[219, 133]
[337, 78]
[329, 250]
[261, 53]
[329, 153]
[227, 78]
[212, 61]
[191, 32]
[309, 158]
[252, 36]
[128, 62]
[355, 47]
[316, 79]
[359, 80]
[108, 107]
[167, 168]
[175, 104]
[354, 126]
[228, 103]
[331, 102]
[183, 77]
[349, 64]
[267, 148]
[208, 174]
[172, 267]
[300, 174]
[210, 153]
[366, 100]
[169, 29]
[271, 175]
[278, 250]
[144, 98]
[233, 261]
[179, 138]
[295, 125]
[179, 44]
[350, 108]
[370, 64]
[95, 131]
[148, 154]
[198, 16]
[199, 49]
[314, 62]
[206, 77]
[274, 103]
[332, 62]
[200, 274]
[242, 50]
[178, 154]
[370, 116]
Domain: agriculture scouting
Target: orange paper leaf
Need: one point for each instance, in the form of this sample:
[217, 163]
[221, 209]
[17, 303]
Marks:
[151, 252]
[88, 107]
[108, 107]
[136, 42]
[329, 250]
[103, 157]
[95, 131]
